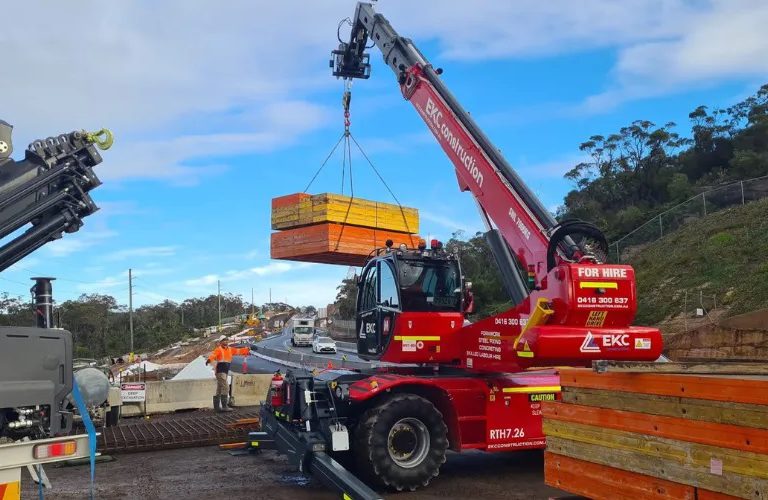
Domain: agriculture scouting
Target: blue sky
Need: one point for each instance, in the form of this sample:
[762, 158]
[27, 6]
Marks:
[216, 114]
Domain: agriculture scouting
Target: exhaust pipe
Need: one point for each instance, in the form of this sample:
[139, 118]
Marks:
[42, 291]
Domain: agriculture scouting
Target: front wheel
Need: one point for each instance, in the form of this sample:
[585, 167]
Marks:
[401, 443]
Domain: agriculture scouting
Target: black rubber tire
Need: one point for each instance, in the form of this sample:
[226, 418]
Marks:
[371, 443]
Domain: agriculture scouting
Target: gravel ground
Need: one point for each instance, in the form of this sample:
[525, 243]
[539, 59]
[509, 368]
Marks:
[208, 472]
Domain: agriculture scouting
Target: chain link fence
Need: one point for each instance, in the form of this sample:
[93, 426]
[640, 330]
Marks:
[736, 193]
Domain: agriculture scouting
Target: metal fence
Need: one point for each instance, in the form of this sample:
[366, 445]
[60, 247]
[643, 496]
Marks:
[736, 193]
[342, 328]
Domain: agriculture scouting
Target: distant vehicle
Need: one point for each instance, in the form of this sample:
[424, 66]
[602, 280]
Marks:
[324, 344]
[302, 332]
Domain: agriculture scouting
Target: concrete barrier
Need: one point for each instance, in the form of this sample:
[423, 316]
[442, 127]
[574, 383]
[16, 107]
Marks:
[166, 396]
[249, 389]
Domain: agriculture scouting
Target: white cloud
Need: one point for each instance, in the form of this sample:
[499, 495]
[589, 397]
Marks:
[548, 169]
[130, 253]
[724, 41]
[24, 264]
[108, 282]
[488, 29]
[72, 243]
[444, 221]
[166, 76]
[169, 76]
[271, 269]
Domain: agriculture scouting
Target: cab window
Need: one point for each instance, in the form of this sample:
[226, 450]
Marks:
[430, 286]
[368, 292]
[388, 296]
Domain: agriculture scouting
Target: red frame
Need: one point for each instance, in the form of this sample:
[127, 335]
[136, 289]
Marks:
[499, 412]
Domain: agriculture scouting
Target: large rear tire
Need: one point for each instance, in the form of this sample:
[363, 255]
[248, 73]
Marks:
[401, 442]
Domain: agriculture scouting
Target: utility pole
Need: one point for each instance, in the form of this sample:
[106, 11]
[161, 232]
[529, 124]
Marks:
[219, 284]
[253, 306]
[270, 295]
[130, 304]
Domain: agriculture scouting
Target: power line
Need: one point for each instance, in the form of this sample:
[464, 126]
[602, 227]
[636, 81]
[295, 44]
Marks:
[58, 278]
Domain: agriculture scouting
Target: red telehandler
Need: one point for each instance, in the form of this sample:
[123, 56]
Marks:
[461, 386]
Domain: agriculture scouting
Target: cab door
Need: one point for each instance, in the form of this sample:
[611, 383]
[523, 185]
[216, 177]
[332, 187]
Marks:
[367, 320]
[378, 306]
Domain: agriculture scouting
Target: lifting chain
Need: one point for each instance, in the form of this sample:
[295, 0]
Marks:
[345, 100]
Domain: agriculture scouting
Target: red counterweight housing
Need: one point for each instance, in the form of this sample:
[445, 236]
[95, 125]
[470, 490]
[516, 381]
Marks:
[591, 295]
[585, 313]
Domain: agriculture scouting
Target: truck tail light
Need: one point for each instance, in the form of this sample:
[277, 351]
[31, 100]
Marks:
[53, 450]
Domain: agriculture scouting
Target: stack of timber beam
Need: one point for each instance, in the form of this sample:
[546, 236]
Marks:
[336, 229]
[660, 430]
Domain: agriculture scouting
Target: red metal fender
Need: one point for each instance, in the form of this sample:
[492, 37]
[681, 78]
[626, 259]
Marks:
[487, 412]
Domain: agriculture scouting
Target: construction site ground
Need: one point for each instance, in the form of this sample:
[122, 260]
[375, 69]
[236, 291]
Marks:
[209, 472]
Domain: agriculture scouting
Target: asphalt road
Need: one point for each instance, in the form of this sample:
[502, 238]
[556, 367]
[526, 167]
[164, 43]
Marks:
[282, 342]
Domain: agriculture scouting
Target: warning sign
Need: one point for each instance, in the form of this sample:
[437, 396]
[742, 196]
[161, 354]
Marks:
[133, 392]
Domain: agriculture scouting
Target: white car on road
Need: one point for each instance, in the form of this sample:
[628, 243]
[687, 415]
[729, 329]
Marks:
[323, 344]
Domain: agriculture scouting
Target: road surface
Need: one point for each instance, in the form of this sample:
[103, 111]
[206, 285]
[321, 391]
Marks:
[282, 342]
[207, 473]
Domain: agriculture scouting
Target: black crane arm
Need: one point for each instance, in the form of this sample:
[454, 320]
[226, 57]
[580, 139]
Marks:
[48, 189]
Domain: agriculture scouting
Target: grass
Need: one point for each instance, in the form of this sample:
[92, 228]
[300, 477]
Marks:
[724, 254]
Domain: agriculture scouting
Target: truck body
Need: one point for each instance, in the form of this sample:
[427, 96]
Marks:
[302, 332]
[42, 197]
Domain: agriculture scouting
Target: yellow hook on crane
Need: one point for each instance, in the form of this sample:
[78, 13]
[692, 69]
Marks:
[103, 138]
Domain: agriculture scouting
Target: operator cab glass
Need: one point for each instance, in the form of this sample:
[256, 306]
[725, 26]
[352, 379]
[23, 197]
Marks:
[391, 286]
[430, 286]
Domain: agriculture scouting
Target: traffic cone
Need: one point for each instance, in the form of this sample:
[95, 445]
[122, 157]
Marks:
[330, 366]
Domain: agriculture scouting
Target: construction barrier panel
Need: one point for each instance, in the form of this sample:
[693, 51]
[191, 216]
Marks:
[647, 432]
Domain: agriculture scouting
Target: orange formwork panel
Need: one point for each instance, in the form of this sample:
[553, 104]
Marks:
[695, 431]
[334, 243]
[600, 482]
[734, 389]
[289, 200]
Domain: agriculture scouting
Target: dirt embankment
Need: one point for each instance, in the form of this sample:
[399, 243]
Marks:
[736, 338]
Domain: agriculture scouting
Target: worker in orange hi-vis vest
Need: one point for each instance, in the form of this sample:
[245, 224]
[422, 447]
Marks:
[222, 356]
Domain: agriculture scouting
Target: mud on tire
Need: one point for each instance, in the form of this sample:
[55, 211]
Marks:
[401, 442]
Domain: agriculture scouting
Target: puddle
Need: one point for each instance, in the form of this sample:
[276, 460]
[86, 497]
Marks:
[296, 479]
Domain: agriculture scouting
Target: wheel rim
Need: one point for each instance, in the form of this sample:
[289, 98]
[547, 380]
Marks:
[408, 442]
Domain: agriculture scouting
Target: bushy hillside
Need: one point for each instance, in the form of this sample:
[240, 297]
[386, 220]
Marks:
[722, 258]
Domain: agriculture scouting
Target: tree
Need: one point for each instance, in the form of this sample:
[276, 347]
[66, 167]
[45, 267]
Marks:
[643, 169]
[346, 298]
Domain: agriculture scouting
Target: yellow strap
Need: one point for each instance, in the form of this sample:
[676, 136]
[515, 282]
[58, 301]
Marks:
[418, 337]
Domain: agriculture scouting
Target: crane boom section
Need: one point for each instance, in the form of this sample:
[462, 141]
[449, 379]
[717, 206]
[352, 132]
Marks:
[522, 219]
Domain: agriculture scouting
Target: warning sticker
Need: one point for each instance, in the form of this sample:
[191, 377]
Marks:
[535, 398]
[641, 343]
[596, 319]
[409, 346]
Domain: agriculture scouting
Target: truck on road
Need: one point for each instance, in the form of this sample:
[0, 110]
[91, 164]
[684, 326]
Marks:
[302, 332]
